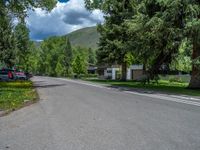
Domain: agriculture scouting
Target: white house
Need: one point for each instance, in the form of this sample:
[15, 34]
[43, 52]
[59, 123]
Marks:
[111, 73]
[134, 72]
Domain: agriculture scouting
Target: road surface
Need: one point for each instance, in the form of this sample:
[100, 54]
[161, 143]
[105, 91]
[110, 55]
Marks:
[73, 115]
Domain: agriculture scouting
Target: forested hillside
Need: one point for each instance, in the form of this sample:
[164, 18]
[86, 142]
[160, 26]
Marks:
[86, 37]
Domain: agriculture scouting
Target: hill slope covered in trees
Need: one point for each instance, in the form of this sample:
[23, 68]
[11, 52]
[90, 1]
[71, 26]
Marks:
[86, 37]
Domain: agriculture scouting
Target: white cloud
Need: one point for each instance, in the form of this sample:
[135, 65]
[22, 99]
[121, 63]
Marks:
[64, 18]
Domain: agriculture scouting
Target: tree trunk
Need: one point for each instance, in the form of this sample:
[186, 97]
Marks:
[195, 77]
[124, 71]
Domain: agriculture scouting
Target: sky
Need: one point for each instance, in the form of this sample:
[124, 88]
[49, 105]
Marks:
[67, 16]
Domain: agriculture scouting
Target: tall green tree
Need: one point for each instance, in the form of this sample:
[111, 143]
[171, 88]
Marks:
[80, 61]
[155, 34]
[15, 9]
[68, 57]
[7, 40]
[192, 19]
[34, 59]
[79, 66]
[158, 29]
[23, 44]
[112, 44]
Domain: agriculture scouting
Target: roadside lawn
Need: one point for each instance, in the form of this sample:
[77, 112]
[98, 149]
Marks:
[14, 95]
[163, 86]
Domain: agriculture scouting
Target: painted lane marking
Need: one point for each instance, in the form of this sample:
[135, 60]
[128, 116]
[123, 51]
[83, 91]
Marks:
[166, 98]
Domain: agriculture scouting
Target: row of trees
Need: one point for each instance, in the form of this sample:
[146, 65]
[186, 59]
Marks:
[56, 57]
[151, 30]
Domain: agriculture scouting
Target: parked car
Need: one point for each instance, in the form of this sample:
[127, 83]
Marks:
[20, 75]
[7, 74]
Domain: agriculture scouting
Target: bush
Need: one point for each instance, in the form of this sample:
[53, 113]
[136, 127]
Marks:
[90, 76]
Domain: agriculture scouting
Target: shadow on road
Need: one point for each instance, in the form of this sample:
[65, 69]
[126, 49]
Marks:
[138, 90]
[41, 84]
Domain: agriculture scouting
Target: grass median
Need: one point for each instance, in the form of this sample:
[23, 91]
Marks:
[14, 95]
[162, 86]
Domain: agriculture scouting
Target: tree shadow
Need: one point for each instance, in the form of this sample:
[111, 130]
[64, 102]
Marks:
[132, 89]
[166, 90]
[47, 85]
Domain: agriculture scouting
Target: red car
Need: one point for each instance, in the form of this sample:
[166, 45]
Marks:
[20, 75]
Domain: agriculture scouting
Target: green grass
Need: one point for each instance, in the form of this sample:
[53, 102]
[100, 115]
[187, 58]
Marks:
[163, 86]
[14, 95]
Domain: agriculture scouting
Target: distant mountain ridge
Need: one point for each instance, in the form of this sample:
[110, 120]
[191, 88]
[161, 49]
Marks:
[86, 37]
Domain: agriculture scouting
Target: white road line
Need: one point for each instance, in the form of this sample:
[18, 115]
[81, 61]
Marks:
[173, 98]
[82, 82]
[165, 98]
[187, 98]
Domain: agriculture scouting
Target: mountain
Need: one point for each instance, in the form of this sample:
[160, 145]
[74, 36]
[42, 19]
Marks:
[86, 37]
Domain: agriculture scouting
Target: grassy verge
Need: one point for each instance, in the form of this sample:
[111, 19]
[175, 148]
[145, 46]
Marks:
[163, 86]
[14, 95]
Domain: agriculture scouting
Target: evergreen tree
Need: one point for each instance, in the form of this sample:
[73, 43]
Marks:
[68, 57]
[80, 61]
[34, 60]
[7, 41]
[22, 45]
[79, 65]
[112, 44]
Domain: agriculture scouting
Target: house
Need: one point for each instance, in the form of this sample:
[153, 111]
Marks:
[111, 73]
[134, 72]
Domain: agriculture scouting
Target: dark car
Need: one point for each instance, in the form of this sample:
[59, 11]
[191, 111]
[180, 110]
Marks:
[28, 75]
[7, 74]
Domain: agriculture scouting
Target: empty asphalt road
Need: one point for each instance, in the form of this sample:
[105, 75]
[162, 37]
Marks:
[79, 116]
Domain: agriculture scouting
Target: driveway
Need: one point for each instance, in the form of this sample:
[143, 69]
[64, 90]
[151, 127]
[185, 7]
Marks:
[76, 115]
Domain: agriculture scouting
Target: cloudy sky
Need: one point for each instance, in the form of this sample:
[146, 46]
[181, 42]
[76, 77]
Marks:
[64, 18]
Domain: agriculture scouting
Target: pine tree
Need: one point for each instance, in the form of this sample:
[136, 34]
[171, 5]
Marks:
[7, 41]
[22, 44]
[68, 57]
[112, 45]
